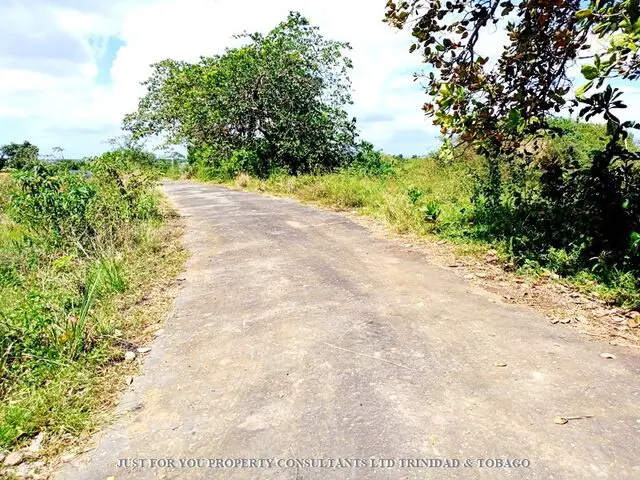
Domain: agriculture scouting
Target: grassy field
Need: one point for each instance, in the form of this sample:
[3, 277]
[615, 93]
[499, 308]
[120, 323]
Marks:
[72, 305]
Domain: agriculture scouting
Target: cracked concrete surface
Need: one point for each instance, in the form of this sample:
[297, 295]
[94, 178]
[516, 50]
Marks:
[297, 334]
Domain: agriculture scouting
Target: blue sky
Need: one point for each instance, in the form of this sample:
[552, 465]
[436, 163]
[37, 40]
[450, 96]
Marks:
[104, 61]
[71, 69]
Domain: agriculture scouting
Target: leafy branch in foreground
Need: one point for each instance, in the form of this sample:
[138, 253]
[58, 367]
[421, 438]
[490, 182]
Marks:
[495, 102]
[504, 106]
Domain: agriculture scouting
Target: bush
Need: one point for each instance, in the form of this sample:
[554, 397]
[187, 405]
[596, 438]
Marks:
[242, 161]
[577, 140]
[243, 180]
[66, 208]
[53, 204]
[572, 206]
[126, 189]
[369, 161]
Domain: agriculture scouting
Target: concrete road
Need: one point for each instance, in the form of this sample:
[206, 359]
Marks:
[298, 335]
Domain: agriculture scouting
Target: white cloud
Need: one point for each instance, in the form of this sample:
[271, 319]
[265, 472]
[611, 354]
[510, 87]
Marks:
[51, 50]
[66, 107]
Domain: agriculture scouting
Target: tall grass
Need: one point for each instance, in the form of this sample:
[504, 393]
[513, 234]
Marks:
[76, 251]
[423, 195]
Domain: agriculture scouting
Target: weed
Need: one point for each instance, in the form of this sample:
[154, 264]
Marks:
[75, 250]
[431, 211]
[243, 180]
[76, 333]
[110, 273]
[415, 194]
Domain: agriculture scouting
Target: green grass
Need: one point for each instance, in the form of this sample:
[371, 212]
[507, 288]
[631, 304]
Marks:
[406, 199]
[68, 397]
[71, 307]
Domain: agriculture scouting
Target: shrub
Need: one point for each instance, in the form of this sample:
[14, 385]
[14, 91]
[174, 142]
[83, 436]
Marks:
[52, 203]
[369, 161]
[566, 208]
[431, 211]
[242, 161]
[126, 189]
[66, 208]
[415, 194]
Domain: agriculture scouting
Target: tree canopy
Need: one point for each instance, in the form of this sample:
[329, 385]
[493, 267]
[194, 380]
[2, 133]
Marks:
[278, 100]
[18, 155]
[496, 102]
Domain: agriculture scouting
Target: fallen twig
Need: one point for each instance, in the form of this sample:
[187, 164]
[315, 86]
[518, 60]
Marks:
[365, 355]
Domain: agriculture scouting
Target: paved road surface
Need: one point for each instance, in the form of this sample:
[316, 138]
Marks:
[299, 335]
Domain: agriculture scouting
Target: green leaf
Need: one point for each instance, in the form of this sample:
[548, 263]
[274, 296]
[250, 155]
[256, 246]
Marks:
[619, 40]
[580, 14]
[583, 89]
[514, 119]
[589, 72]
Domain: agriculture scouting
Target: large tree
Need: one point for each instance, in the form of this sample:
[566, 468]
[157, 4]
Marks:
[279, 99]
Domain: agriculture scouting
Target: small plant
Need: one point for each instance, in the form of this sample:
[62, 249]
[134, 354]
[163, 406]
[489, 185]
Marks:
[76, 334]
[111, 270]
[243, 180]
[431, 211]
[562, 262]
[635, 243]
[415, 194]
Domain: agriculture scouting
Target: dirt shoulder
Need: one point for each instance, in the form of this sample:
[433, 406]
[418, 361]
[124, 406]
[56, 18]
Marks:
[562, 304]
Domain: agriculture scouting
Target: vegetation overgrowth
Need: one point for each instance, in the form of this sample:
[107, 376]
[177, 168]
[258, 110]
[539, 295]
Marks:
[79, 248]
